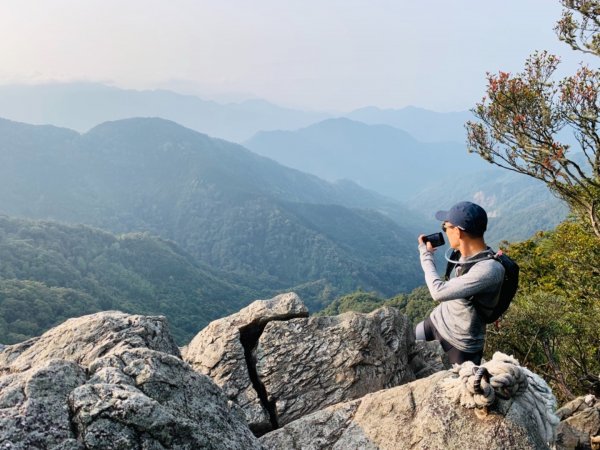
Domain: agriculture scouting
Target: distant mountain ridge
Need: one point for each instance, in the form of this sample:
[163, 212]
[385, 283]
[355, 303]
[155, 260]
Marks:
[378, 157]
[422, 124]
[272, 226]
[81, 106]
[426, 176]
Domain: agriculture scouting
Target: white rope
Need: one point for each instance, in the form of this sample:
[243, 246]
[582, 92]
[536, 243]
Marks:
[504, 379]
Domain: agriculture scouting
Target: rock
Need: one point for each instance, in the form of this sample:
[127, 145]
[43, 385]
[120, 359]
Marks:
[112, 381]
[424, 414]
[428, 358]
[149, 399]
[580, 424]
[308, 364]
[84, 339]
[34, 412]
[223, 351]
[278, 365]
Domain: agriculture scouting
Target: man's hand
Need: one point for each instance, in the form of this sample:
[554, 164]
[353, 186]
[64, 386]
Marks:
[428, 244]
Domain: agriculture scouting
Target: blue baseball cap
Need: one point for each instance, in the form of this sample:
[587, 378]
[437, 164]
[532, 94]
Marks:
[467, 216]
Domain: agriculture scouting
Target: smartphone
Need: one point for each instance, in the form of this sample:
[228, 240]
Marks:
[436, 239]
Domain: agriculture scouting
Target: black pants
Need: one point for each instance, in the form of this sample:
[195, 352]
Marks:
[455, 356]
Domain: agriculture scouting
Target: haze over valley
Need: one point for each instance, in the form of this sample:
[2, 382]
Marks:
[293, 158]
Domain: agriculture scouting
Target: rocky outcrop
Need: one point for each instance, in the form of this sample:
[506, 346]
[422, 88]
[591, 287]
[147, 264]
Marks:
[279, 365]
[428, 358]
[308, 364]
[82, 340]
[428, 414]
[224, 351]
[111, 380]
[117, 381]
[580, 424]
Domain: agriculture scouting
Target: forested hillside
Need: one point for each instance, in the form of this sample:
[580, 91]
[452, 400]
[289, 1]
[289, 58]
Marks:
[517, 206]
[50, 272]
[275, 227]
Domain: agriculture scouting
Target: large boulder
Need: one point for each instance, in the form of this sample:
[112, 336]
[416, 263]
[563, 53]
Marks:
[439, 412]
[308, 364]
[224, 351]
[111, 381]
[34, 411]
[86, 338]
[580, 424]
[278, 365]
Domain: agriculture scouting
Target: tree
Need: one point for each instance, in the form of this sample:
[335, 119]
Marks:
[552, 326]
[522, 114]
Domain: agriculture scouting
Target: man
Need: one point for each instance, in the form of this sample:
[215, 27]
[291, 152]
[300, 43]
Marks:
[455, 321]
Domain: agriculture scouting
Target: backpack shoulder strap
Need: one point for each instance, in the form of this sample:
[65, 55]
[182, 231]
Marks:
[485, 255]
[454, 256]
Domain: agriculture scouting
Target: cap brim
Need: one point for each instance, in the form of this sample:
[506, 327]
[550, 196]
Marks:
[441, 215]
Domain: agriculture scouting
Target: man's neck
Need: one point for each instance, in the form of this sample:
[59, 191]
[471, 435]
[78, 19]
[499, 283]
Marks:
[470, 248]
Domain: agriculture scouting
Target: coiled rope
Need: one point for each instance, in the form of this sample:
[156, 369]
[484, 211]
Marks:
[503, 378]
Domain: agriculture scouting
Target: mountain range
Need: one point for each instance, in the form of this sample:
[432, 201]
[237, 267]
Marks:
[274, 227]
[422, 124]
[427, 177]
[81, 106]
[378, 157]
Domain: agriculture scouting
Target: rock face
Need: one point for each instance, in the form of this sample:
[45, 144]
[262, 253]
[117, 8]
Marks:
[117, 381]
[580, 424]
[84, 339]
[111, 381]
[427, 414]
[308, 364]
[224, 352]
[279, 365]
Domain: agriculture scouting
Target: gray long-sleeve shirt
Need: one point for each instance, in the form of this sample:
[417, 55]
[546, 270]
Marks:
[455, 318]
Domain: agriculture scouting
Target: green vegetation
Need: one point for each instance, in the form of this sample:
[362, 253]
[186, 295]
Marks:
[552, 325]
[50, 272]
[522, 114]
[416, 305]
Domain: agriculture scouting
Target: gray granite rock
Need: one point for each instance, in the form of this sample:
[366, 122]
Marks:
[223, 351]
[309, 364]
[580, 424]
[86, 338]
[417, 415]
[142, 398]
[112, 381]
[34, 412]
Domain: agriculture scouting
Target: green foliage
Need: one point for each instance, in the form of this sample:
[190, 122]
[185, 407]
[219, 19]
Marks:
[552, 325]
[358, 301]
[27, 308]
[579, 26]
[50, 272]
[522, 114]
[417, 305]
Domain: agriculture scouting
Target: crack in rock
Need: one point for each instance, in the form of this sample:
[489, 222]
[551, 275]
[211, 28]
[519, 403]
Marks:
[249, 337]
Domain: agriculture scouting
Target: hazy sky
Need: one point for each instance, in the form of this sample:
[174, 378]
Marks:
[334, 55]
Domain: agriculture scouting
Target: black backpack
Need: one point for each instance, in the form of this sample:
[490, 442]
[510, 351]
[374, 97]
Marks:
[507, 291]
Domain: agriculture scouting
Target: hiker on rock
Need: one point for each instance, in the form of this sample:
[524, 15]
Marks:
[474, 285]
